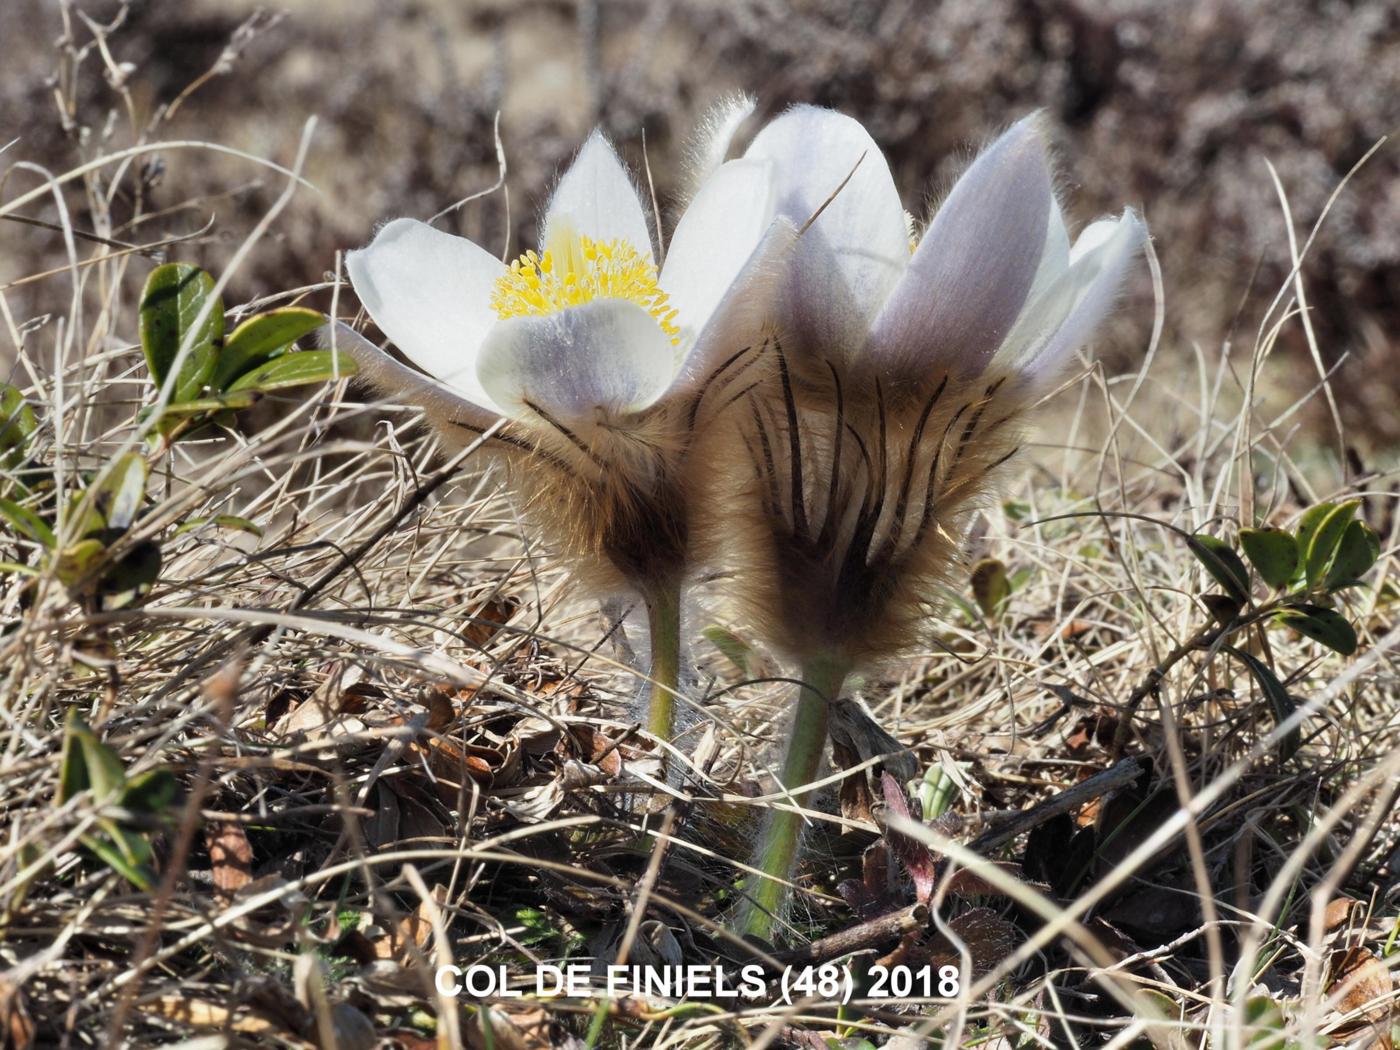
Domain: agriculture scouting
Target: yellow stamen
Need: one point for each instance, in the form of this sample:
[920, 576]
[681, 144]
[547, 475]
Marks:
[574, 269]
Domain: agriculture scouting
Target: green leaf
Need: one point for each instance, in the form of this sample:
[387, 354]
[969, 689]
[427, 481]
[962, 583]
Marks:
[24, 570]
[152, 792]
[17, 424]
[1323, 540]
[25, 521]
[131, 578]
[1356, 553]
[1265, 1025]
[175, 296]
[77, 561]
[223, 521]
[990, 586]
[1278, 699]
[1222, 607]
[125, 852]
[120, 494]
[1223, 564]
[1273, 553]
[87, 763]
[93, 520]
[306, 366]
[201, 405]
[735, 649]
[260, 339]
[1321, 625]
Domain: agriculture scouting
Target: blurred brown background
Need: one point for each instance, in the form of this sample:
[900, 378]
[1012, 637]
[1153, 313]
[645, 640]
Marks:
[1172, 107]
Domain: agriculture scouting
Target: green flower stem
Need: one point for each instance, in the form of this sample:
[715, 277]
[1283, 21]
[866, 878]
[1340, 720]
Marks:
[777, 849]
[664, 625]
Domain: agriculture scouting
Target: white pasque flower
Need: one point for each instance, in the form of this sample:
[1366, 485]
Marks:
[993, 283]
[587, 324]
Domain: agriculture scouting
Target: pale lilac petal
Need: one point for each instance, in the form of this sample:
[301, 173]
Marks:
[430, 292]
[596, 198]
[714, 240]
[1055, 256]
[607, 355]
[845, 264]
[969, 277]
[442, 406]
[1098, 271]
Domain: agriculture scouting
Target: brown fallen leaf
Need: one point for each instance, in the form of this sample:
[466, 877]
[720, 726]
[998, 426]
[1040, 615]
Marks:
[230, 856]
[512, 1027]
[1362, 984]
[486, 622]
[414, 929]
[17, 1029]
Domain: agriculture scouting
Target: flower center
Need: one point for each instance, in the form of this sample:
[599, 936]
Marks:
[573, 270]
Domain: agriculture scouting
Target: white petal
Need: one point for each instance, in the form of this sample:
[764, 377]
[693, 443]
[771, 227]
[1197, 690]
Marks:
[609, 354]
[442, 406]
[596, 198]
[742, 315]
[1098, 271]
[847, 261]
[715, 134]
[430, 292]
[968, 280]
[714, 239]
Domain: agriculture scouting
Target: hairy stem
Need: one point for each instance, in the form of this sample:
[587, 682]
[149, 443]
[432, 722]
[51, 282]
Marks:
[776, 856]
[664, 626]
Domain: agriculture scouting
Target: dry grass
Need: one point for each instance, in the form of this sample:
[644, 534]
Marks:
[429, 753]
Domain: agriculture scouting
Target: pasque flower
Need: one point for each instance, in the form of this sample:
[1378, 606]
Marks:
[901, 370]
[604, 363]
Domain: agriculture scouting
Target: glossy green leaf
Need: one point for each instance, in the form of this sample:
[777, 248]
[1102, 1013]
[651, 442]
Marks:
[1321, 625]
[127, 853]
[261, 339]
[1356, 553]
[175, 296]
[87, 763]
[1222, 607]
[17, 425]
[76, 562]
[93, 520]
[1275, 693]
[990, 586]
[1324, 539]
[27, 523]
[152, 792]
[306, 366]
[1224, 565]
[131, 578]
[1273, 552]
[119, 495]
[201, 405]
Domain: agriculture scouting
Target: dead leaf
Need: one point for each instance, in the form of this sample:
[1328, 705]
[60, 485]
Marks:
[856, 738]
[441, 711]
[230, 856]
[486, 622]
[512, 1027]
[1362, 985]
[16, 1025]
